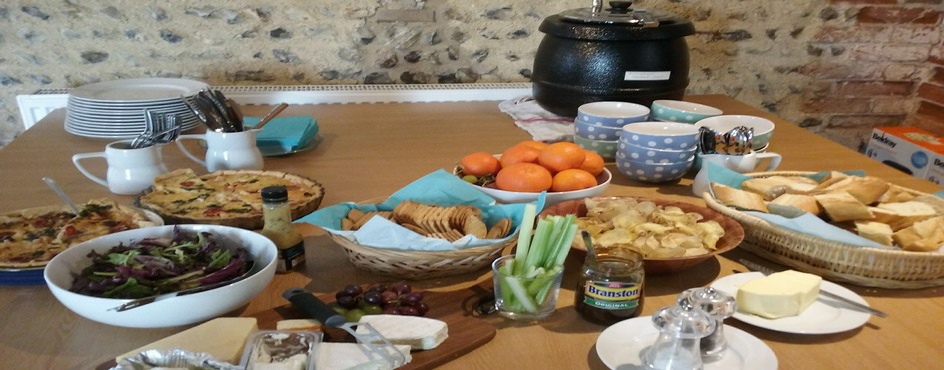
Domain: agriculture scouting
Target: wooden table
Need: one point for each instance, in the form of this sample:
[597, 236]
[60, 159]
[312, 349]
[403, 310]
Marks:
[371, 150]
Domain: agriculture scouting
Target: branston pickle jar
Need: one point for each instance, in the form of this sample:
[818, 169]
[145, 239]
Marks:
[611, 286]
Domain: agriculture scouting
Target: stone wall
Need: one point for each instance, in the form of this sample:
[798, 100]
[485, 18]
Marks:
[837, 67]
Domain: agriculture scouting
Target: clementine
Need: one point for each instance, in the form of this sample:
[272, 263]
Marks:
[519, 154]
[561, 156]
[479, 164]
[534, 144]
[593, 163]
[573, 179]
[524, 177]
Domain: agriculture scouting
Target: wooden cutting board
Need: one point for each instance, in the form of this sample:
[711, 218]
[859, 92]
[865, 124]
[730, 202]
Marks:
[466, 332]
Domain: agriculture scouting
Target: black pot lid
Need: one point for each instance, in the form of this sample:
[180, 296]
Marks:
[618, 21]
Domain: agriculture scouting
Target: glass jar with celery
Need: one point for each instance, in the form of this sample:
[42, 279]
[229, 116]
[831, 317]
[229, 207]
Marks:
[527, 283]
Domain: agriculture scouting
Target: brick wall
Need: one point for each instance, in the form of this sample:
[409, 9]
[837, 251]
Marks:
[876, 63]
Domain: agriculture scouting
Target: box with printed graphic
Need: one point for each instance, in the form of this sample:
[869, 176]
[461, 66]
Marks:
[911, 150]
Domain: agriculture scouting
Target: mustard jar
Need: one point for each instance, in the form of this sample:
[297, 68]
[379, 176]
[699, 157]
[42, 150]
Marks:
[277, 218]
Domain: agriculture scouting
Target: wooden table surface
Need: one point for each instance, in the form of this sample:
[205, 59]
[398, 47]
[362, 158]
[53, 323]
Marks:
[371, 150]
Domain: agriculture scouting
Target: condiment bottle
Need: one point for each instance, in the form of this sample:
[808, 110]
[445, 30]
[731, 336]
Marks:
[719, 306]
[277, 217]
[681, 328]
[610, 288]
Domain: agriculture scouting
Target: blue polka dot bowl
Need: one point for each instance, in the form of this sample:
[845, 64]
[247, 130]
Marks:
[611, 113]
[653, 172]
[605, 148]
[596, 131]
[661, 135]
[644, 154]
[682, 111]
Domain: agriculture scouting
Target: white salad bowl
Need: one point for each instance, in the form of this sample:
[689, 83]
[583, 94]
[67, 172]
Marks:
[176, 311]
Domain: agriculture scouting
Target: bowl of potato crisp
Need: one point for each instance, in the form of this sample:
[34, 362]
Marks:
[671, 235]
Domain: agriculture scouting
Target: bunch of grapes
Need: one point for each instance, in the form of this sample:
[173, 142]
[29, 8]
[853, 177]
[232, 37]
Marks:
[394, 299]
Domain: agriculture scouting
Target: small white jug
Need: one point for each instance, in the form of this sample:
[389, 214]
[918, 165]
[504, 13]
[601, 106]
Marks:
[130, 171]
[739, 163]
[226, 150]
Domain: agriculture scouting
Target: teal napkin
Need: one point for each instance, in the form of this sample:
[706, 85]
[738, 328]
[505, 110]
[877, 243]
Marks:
[439, 188]
[290, 133]
[802, 223]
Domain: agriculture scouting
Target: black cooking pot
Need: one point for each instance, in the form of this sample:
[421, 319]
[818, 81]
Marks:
[613, 54]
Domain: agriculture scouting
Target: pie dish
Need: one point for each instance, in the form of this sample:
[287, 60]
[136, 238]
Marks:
[226, 197]
[30, 238]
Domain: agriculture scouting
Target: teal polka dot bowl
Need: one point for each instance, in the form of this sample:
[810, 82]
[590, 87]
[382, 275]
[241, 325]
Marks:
[682, 111]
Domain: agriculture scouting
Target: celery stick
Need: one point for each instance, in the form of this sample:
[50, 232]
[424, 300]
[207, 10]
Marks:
[520, 293]
[550, 257]
[524, 234]
[566, 241]
[539, 243]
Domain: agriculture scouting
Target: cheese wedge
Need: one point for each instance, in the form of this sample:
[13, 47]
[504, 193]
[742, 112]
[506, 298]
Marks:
[223, 338]
[417, 332]
[781, 294]
[299, 324]
[354, 356]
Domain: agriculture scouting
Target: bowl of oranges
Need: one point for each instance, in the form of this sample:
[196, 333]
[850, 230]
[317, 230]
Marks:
[520, 173]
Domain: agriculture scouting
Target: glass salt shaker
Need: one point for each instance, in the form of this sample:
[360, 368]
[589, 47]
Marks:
[681, 328]
[719, 306]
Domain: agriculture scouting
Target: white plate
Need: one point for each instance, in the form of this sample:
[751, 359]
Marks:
[620, 347]
[137, 89]
[824, 316]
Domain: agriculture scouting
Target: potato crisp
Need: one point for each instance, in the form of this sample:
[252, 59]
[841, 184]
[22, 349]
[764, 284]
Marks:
[652, 230]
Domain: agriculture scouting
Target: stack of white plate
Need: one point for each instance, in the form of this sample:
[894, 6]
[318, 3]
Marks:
[115, 109]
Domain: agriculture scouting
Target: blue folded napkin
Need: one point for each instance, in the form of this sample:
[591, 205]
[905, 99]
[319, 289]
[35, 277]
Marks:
[290, 133]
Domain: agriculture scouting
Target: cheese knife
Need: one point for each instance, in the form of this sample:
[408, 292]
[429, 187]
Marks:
[753, 266]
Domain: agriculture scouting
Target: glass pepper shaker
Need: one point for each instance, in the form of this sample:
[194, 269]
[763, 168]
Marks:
[681, 328]
[719, 306]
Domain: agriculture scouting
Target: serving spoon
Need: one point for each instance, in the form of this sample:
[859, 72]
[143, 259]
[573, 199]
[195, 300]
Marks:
[62, 195]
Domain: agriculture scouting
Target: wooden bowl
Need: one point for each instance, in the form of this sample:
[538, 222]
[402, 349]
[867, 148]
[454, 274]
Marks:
[733, 232]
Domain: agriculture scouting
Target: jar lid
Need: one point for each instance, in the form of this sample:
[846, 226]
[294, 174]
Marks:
[619, 21]
[276, 193]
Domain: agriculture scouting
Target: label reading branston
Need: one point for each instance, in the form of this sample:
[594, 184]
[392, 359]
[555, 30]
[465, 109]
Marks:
[611, 295]
[647, 75]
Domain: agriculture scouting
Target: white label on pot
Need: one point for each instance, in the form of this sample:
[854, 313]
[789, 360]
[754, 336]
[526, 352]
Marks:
[647, 75]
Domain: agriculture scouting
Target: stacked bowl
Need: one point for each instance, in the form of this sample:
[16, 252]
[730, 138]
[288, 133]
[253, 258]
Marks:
[599, 124]
[682, 111]
[656, 151]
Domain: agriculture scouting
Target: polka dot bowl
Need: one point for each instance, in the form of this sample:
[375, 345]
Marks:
[611, 113]
[661, 135]
[638, 153]
[654, 172]
[682, 111]
[596, 131]
[605, 148]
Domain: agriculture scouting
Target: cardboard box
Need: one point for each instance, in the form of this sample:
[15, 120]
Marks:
[911, 150]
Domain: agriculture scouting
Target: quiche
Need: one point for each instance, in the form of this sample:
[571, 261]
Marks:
[226, 197]
[31, 237]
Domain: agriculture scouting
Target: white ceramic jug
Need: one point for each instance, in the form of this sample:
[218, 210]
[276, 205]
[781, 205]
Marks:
[739, 163]
[129, 170]
[226, 150]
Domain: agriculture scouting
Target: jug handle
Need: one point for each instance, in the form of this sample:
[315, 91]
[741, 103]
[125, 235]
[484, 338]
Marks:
[78, 157]
[774, 160]
[187, 152]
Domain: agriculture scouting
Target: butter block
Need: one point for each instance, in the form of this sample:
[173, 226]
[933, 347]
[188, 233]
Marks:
[781, 294]
[222, 338]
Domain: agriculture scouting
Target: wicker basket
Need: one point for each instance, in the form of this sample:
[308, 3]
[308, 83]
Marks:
[416, 265]
[872, 267]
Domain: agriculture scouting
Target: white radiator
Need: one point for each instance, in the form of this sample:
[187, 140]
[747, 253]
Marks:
[34, 107]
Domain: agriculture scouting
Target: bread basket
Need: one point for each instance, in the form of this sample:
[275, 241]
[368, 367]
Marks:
[418, 265]
[842, 262]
